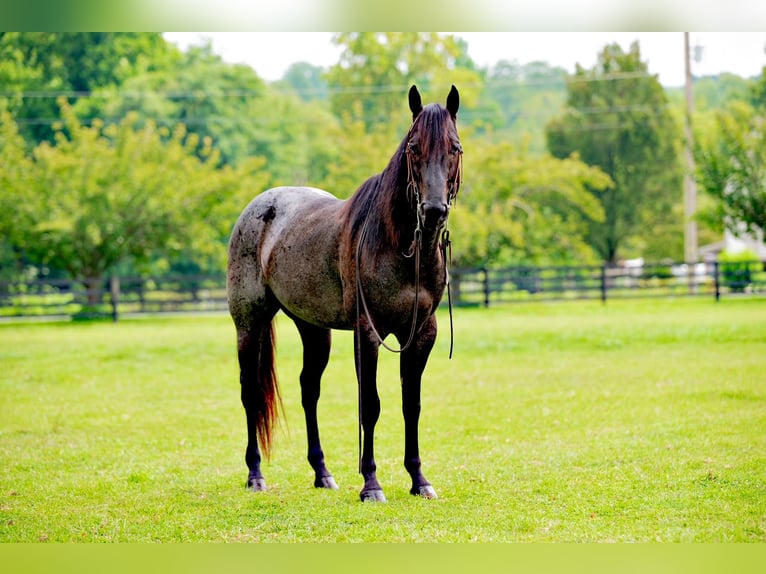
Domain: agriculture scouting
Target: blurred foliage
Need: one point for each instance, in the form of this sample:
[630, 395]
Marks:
[731, 167]
[121, 153]
[730, 155]
[518, 208]
[36, 68]
[375, 69]
[105, 194]
[740, 268]
[625, 128]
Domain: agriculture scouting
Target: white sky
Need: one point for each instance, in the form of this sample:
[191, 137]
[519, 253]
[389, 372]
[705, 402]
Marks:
[742, 53]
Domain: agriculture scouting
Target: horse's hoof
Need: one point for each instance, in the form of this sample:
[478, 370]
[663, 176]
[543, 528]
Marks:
[426, 491]
[372, 496]
[256, 484]
[326, 482]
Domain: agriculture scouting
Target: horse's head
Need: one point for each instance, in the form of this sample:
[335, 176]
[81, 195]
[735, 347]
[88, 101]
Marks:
[434, 158]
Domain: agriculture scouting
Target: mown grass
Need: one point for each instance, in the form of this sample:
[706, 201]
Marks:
[633, 421]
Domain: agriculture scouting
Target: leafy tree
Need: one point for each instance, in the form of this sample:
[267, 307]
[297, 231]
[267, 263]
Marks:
[212, 98]
[711, 95]
[758, 89]
[356, 155]
[711, 92]
[375, 70]
[515, 208]
[517, 102]
[306, 80]
[16, 181]
[38, 67]
[296, 138]
[101, 195]
[729, 154]
[617, 118]
[731, 167]
[231, 105]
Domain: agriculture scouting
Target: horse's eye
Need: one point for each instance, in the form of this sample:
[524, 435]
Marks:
[414, 148]
[456, 149]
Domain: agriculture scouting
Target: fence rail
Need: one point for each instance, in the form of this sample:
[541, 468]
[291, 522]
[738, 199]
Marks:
[117, 296]
[113, 296]
[489, 286]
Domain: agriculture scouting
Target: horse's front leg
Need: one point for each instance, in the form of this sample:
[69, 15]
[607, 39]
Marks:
[366, 349]
[412, 363]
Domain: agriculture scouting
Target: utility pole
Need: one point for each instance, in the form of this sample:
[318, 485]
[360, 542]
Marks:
[690, 186]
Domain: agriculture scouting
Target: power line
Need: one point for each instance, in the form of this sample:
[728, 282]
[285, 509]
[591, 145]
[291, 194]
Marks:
[329, 90]
[467, 115]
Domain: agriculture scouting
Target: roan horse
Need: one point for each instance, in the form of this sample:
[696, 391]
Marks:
[374, 263]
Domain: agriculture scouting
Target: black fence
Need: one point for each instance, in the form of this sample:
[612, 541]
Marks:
[119, 296]
[490, 286]
[113, 297]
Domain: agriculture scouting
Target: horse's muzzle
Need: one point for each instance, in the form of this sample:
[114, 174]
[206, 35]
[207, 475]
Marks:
[434, 213]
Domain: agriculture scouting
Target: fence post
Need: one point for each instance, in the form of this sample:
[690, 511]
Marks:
[603, 283]
[114, 288]
[486, 286]
[717, 280]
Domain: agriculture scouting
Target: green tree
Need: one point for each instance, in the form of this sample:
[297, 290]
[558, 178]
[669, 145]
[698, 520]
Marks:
[758, 89]
[517, 102]
[356, 155]
[210, 97]
[515, 208]
[101, 195]
[731, 167]
[711, 92]
[375, 69]
[617, 118]
[231, 105]
[306, 80]
[16, 180]
[36, 68]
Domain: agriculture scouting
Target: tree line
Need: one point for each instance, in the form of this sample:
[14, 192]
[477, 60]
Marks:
[120, 153]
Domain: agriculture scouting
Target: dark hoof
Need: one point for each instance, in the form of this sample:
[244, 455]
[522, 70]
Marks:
[256, 484]
[326, 482]
[372, 496]
[426, 491]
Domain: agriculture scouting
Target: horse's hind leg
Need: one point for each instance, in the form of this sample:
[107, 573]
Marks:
[259, 394]
[316, 353]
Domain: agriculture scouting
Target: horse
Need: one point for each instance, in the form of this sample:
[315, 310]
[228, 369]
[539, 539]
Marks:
[375, 263]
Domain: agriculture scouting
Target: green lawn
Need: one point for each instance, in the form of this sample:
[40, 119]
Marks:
[633, 421]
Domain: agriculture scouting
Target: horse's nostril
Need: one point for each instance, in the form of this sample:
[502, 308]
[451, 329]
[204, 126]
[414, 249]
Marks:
[434, 210]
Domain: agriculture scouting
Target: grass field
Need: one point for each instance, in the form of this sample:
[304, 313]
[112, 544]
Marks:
[633, 421]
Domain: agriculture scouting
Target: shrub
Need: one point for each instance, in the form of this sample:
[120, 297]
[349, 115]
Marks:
[739, 268]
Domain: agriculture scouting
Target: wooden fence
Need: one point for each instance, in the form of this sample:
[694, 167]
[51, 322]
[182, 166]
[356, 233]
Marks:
[120, 296]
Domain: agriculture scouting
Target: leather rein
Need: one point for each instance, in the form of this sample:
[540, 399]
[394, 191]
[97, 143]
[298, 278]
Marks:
[413, 192]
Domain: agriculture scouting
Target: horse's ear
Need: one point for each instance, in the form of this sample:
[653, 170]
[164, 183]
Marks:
[453, 102]
[416, 105]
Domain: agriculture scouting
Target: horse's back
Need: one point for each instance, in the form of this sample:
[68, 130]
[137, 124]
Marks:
[283, 252]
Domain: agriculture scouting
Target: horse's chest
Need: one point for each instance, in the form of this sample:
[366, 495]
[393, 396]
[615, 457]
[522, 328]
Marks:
[394, 294]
